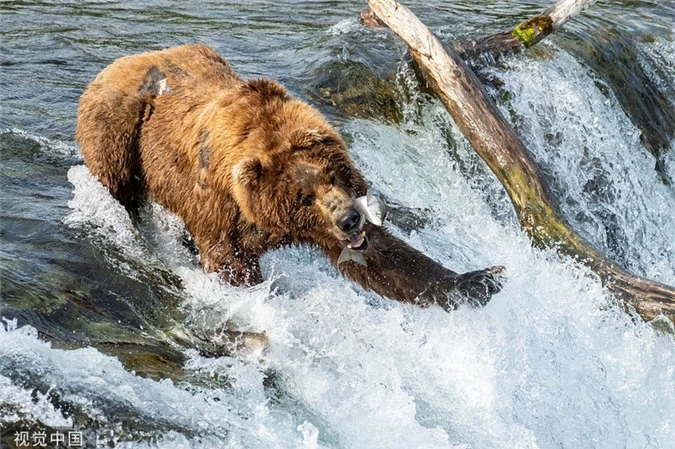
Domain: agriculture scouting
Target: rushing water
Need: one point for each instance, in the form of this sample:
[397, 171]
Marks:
[91, 305]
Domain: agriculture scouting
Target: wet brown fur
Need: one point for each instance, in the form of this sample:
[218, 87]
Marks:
[246, 166]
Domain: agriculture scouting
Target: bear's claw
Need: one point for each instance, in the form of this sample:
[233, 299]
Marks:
[479, 286]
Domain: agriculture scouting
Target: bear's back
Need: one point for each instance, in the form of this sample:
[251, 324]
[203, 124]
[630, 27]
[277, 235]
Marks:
[192, 67]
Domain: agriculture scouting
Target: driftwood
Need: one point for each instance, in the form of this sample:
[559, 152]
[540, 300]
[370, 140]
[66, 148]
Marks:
[494, 140]
[524, 35]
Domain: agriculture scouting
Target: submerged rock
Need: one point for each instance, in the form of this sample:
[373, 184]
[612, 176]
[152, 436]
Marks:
[356, 90]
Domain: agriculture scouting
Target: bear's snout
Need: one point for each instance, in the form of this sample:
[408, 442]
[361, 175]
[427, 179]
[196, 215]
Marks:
[350, 221]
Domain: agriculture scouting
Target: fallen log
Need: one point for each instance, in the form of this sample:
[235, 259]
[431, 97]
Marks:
[524, 35]
[496, 143]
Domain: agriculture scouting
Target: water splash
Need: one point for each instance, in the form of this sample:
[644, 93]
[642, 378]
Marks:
[51, 150]
[602, 176]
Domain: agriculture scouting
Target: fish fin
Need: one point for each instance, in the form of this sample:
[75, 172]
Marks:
[385, 212]
[350, 255]
[344, 257]
[359, 259]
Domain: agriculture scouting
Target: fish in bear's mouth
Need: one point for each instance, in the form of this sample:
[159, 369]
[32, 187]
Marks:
[372, 210]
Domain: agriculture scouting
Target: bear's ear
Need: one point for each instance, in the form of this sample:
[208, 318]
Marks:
[304, 139]
[267, 89]
[247, 172]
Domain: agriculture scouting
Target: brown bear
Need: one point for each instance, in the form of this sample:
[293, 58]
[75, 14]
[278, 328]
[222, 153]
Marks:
[248, 168]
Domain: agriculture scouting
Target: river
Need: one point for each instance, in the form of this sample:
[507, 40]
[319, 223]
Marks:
[91, 306]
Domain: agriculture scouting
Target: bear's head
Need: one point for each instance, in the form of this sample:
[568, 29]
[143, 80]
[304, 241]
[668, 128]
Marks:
[297, 179]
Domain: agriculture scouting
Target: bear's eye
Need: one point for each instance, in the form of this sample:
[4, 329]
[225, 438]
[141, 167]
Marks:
[306, 200]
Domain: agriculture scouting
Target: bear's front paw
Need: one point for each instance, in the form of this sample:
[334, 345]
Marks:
[479, 286]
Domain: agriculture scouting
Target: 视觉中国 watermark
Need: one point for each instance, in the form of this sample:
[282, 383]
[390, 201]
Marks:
[34, 435]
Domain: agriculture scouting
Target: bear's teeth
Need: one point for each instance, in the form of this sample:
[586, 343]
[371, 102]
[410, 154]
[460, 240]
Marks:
[356, 241]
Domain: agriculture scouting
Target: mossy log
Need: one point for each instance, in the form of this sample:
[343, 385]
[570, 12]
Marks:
[524, 35]
[496, 143]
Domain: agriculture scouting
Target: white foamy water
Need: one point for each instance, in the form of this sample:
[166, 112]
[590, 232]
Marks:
[551, 362]
[586, 143]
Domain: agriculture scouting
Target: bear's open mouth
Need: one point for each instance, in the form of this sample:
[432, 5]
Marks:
[356, 241]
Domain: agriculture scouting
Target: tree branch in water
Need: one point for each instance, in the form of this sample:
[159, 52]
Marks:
[524, 35]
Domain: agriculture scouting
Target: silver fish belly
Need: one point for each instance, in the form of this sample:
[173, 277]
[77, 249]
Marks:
[371, 208]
